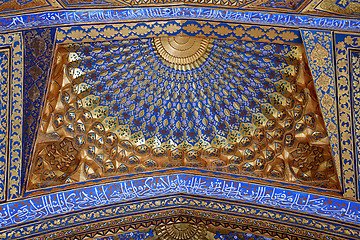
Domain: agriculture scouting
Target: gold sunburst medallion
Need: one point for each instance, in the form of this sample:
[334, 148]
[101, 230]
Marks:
[183, 52]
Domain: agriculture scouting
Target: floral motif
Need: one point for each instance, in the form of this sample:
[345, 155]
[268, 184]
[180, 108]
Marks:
[318, 45]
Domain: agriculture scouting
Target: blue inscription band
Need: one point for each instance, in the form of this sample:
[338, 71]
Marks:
[101, 16]
[64, 202]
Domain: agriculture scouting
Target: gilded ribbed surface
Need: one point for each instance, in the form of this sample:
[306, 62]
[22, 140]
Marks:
[117, 107]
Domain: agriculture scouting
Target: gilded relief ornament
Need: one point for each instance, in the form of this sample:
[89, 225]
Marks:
[246, 32]
[140, 105]
[181, 231]
[183, 52]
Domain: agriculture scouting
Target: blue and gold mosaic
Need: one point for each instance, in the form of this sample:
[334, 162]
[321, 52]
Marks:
[347, 136]
[94, 3]
[131, 235]
[123, 135]
[355, 77]
[348, 8]
[66, 17]
[15, 112]
[244, 32]
[16, 6]
[147, 196]
[128, 106]
[345, 3]
[240, 236]
[159, 102]
[319, 50]
[38, 53]
[292, 5]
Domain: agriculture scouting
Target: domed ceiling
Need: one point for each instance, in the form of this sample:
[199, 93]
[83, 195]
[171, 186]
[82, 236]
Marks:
[140, 119]
[140, 105]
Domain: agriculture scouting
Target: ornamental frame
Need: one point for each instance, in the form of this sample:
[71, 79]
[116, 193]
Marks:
[12, 118]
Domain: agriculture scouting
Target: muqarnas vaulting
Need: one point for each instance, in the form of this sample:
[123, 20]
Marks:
[119, 107]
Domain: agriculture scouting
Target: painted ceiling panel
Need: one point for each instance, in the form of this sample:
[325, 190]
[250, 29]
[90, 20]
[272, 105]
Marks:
[140, 105]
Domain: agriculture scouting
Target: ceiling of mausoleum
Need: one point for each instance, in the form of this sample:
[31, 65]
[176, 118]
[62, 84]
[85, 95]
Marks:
[180, 119]
[140, 105]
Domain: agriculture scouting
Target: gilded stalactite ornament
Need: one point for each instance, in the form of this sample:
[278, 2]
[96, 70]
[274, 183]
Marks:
[182, 225]
[171, 129]
[140, 105]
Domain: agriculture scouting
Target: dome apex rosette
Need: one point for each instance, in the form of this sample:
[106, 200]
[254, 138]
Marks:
[183, 52]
